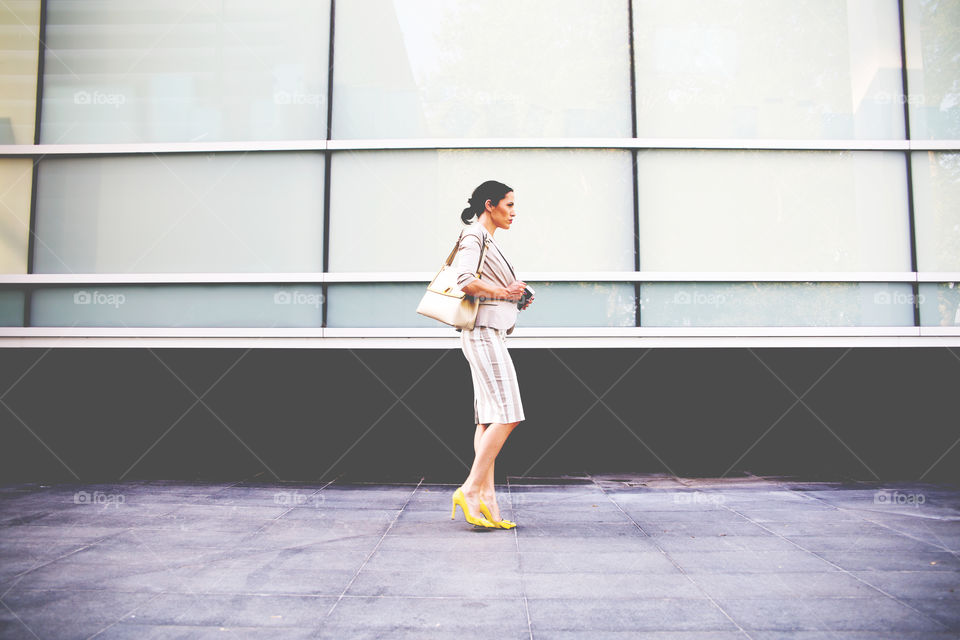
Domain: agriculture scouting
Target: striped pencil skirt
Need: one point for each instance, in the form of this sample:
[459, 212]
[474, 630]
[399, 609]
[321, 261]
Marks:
[496, 393]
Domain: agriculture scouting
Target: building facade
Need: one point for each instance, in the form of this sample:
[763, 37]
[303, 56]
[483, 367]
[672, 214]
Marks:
[692, 173]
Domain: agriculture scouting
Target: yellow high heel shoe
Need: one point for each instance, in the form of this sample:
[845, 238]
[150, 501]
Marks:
[460, 499]
[503, 524]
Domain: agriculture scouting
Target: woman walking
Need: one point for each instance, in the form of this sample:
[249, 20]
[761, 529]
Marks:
[497, 407]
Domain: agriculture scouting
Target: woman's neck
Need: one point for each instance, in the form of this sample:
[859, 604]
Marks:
[488, 225]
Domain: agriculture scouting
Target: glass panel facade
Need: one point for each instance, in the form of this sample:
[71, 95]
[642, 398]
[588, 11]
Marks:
[19, 29]
[776, 304]
[11, 308]
[580, 304]
[369, 304]
[178, 306]
[936, 205]
[809, 69]
[940, 304]
[553, 71]
[16, 179]
[557, 304]
[498, 68]
[226, 212]
[400, 210]
[773, 211]
[185, 71]
[933, 75]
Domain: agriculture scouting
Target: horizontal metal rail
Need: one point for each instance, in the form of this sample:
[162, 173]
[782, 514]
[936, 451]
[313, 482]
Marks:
[746, 144]
[388, 277]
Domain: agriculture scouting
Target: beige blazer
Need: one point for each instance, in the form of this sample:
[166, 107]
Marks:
[497, 270]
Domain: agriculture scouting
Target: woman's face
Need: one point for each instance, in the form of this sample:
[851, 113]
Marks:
[503, 214]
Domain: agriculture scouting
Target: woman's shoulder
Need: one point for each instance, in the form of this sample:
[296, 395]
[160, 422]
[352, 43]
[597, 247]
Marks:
[476, 229]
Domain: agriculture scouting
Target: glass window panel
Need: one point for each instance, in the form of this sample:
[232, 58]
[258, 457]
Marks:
[933, 75]
[19, 26]
[16, 178]
[498, 68]
[776, 304]
[809, 69]
[939, 304]
[178, 306]
[11, 308]
[184, 71]
[557, 304]
[580, 304]
[227, 212]
[773, 211]
[400, 210]
[936, 207]
[369, 304]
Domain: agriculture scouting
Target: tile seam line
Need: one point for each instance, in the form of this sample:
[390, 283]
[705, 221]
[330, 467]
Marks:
[370, 555]
[668, 557]
[833, 564]
[516, 538]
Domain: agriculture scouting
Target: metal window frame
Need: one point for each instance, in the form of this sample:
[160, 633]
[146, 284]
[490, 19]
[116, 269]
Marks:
[437, 144]
[691, 277]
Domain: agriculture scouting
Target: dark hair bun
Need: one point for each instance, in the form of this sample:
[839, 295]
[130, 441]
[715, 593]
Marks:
[490, 190]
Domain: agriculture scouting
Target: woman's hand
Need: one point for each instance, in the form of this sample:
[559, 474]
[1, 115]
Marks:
[529, 300]
[514, 292]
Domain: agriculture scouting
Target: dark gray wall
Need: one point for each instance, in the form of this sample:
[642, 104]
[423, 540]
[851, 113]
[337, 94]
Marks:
[319, 413]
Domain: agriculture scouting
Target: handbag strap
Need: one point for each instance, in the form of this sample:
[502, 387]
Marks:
[483, 254]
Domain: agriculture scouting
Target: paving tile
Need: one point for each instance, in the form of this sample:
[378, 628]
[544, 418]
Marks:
[945, 611]
[723, 543]
[239, 578]
[792, 613]
[64, 574]
[259, 610]
[749, 561]
[795, 529]
[893, 560]
[596, 561]
[131, 631]
[62, 613]
[604, 614]
[935, 585]
[782, 584]
[571, 584]
[853, 542]
[851, 635]
[557, 634]
[444, 561]
[703, 528]
[456, 538]
[431, 581]
[445, 615]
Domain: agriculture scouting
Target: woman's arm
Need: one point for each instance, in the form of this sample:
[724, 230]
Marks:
[468, 257]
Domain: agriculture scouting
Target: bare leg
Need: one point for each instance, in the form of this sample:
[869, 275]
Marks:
[491, 441]
[487, 493]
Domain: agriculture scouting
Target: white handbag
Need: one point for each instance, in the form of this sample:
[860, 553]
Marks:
[444, 301]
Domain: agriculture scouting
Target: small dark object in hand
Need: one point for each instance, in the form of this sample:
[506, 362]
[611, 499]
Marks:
[527, 294]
